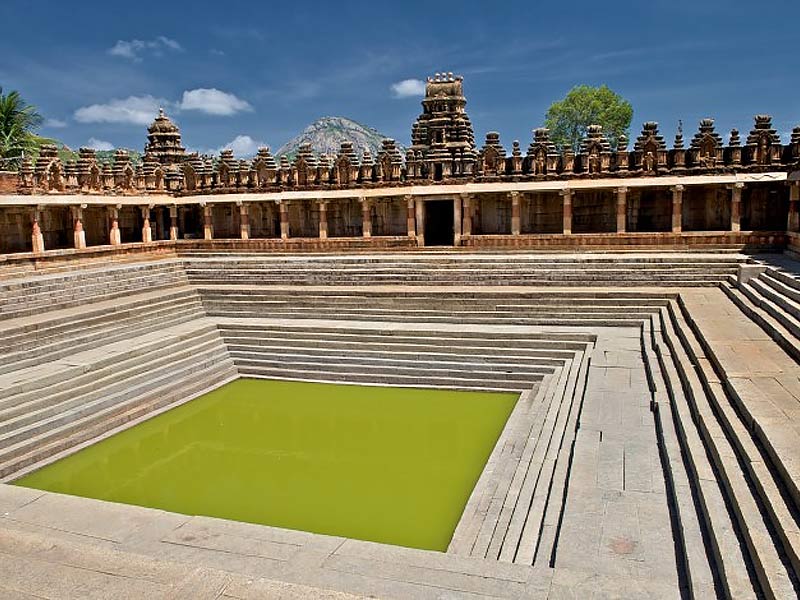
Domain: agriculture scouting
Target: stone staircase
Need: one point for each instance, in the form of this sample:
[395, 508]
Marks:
[464, 269]
[76, 287]
[397, 354]
[731, 497]
[771, 299]
[77, 374]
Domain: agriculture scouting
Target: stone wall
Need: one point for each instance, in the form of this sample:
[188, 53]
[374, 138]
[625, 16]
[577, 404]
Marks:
[706, 208]
[541, 212]
[8, 182]
[649, 210]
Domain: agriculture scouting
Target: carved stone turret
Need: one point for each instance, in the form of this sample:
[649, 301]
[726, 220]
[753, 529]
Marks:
[305, 165]
[346, 164]
[122, 171]
[164, 141]
[442, 135]
[542, 157]
[734, 151]
[264, 168]
[650, 150]
[763, 144]
[49, 172]
[89, 173]
[390, 161]
[706, 148]
[595, 155]
[227, 168]
[621, 156]
[493, 156]
[367, 168]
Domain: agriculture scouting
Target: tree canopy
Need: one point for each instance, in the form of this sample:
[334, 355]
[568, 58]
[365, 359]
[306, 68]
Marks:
[585, 105]
[18, 124]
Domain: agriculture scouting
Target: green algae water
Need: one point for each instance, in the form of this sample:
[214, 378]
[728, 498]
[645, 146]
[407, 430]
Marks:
[390, 465]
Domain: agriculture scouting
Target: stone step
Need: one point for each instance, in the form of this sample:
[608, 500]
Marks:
[82, 424]
[509, 301]
[55, 325]
[537, 536]
[512, 369]
[448, 334]
[320, 349]
[789, 306]
[328, 344]
[22, 409]
[631, 319]
[496, 480]
[64, 346]
[785, 338]
[56, 416]
[499, 513]
[784, 277]
[760, 549]
[771, 277]
[723, 543]
[667, 281]
[423, 307]
[782, 514]
[395, 380]
[695, 564]
[754, 293]
[171, 394]
[407, 368]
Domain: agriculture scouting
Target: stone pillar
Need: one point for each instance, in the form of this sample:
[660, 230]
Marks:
[208, 222]
[323, 220]
[420, 209]
[284, 210]
[79, 235]
[244, 221]
[37, 239]
[466, 215]
[114, 234]
[516, 227]
[147, 232]
[173, 222]
[677, 209]
[457, 221]
[566, 197]
[622, 209]
[793, 223]
[411, 219]
[366, 217]
[736, 206]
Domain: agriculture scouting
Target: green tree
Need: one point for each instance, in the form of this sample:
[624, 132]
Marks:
[18, 123]
[585, 105]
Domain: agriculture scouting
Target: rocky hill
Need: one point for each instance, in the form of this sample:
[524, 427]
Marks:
[327, 134]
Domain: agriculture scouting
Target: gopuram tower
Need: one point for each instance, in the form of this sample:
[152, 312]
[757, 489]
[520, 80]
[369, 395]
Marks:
[164, 142]
[442, 141]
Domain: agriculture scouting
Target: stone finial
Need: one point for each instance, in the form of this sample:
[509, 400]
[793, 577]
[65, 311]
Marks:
[734, 138]
[515, 150]
[622, 142]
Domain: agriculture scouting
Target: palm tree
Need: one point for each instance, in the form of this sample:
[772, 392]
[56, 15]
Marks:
[18, 121]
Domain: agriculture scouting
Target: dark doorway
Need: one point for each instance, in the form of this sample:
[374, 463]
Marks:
[439, 223]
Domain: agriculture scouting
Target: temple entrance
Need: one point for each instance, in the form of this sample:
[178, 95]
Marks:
[439, 223]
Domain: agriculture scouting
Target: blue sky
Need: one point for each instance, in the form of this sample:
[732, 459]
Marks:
[262, 71]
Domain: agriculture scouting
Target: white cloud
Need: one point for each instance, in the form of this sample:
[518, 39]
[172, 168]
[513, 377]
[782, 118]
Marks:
[134, 49]
[99, 144]
[55, 123]
[139, 110]
[408, 88]
[213, 102]
[243, 146]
